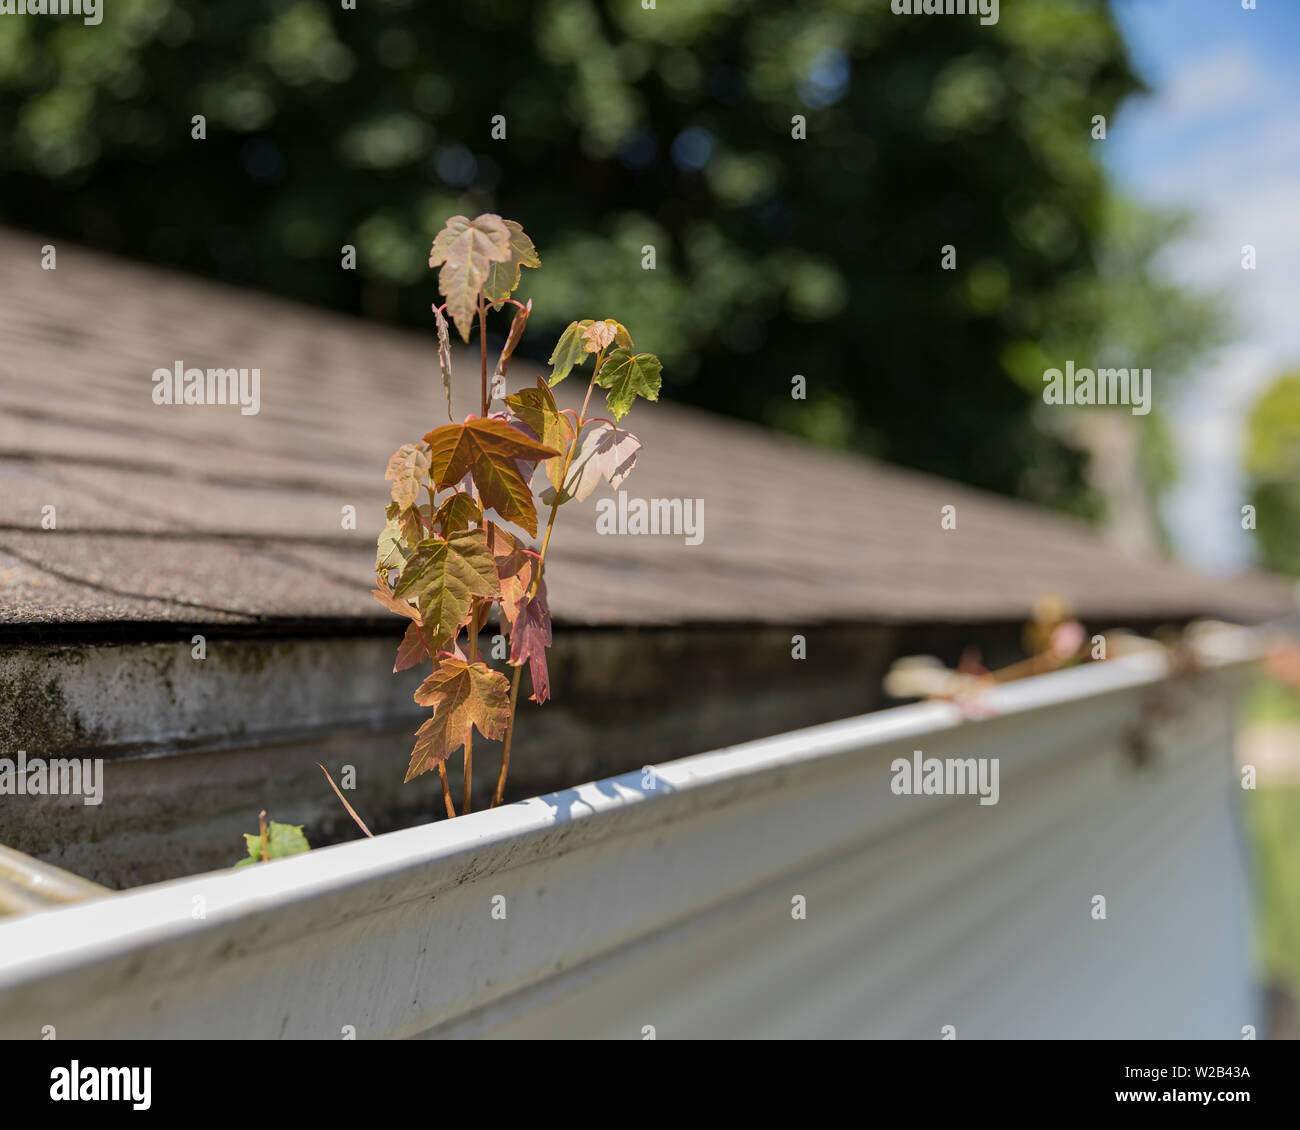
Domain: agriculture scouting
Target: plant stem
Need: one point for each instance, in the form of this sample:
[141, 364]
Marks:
[537, 580]
[446, 790]
[469, 767]
[484, 404]
[261, 820]
[482, 338]
[510, 733]
[469, 737]
[564, 478]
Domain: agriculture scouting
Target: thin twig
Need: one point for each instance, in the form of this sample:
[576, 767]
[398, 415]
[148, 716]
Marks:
[351, 811]
[261, 824]
[1038, 664]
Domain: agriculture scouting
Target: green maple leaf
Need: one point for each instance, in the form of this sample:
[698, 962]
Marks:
[281, 840]
[503, 277]
[391, 548]
[490, 451]
[626, 375]
[444, 576]
[464, 696]
[536, 407]
[458, 512]
[569, 351]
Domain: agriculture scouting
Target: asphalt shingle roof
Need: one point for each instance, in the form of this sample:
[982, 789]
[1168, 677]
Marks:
[201, 515]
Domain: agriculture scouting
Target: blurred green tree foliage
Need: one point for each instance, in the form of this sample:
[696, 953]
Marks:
[1273, 466]
[629, 128]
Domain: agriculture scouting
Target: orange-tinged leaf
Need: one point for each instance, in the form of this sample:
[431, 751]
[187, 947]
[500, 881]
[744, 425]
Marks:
[407, 469]
[465, 697]
[411, 522]
[466, 249]
[401, 607]
[444, 576]
[411, 650]
[501, 541]
[489, 450]
[514, 571]
[598, 335]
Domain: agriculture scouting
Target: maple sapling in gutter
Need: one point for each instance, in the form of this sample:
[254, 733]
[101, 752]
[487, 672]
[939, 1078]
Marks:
[449, 551]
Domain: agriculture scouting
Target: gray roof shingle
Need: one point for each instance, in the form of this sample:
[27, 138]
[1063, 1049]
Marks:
[201, 515]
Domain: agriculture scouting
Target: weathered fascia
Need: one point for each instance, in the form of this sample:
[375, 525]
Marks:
[396, 936]
[126, 700]
[118, 700]
[194, 747]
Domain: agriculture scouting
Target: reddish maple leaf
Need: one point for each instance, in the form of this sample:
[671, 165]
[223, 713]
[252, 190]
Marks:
[514, 571]
[489, 451]
[465, 697]
[530, 636]
[411, 650]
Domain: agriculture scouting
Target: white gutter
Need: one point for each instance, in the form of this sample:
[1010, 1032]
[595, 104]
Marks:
[670, 907]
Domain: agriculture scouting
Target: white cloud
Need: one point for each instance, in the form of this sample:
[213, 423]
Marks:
[1222, 80]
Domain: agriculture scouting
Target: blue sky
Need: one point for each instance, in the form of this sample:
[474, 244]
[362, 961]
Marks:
[1219, 134]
